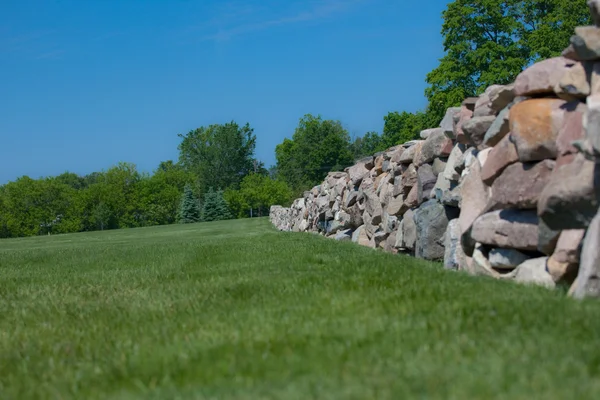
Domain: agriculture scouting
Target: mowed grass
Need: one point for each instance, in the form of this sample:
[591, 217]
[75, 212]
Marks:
[238, 310]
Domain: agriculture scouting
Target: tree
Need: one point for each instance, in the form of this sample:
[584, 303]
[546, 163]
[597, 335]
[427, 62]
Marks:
[367, 145]
[215, 207]
[189, 210]
[218, 155]
[317, 147]
[491, 41]
[256, 195]
[402, 127]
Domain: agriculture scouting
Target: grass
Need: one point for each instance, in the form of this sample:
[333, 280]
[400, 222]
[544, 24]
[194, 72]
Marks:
[238, 310]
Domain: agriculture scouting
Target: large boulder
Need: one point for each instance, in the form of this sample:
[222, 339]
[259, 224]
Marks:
[475, 197]
[533, 272]
[592, 124]
[476, 128]
[447, 123]
[498, 130]
[575, 82]
[431, 220]
[542, 77]
[571, 197]
[586, 43]
[572, 128]
[506, 259]
[453, 253]
[587, 283]
[517, 229]
[433, 147]
[460, 119]
[520, 185]
[409, 230]
[534, 127]
[425, 183]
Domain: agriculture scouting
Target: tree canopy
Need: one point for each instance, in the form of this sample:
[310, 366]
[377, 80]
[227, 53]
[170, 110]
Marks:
[491, 41]
[317, 147]
[219, 155]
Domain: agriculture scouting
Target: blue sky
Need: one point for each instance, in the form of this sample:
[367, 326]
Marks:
[86, 84]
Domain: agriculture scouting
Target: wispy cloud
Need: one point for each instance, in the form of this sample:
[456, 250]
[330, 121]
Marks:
[320, 9]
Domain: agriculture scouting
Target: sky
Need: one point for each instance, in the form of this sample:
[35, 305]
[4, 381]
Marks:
[85, 85]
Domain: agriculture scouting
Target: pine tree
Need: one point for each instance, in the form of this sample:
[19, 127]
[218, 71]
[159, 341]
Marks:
[215, 207]
[189, 211]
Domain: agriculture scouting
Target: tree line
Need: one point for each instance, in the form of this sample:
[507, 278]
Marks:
[217, 175]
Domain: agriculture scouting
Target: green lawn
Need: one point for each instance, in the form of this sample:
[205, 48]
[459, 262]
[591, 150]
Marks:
[238, 310]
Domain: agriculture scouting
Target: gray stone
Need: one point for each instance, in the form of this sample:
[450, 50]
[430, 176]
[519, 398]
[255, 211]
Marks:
[506, 259]
[400, 236]
[594, 6]
[450, 171]
[547, 238]
[587, 283]
[345, 235]
[431, 147]
[426, 133]
[498, 130]
[451, 197]
[409, 153]
[533, 272]
[431, 220]
[373, 206]
[476, 128]
[441, 185]
[409, 230]
[516, 229]
[592, 124]
[480, 265]
[453, 254]
[439, 165]
[571, 197]
[586, 43]
[501, 97]
[447, 123]
[425, 183]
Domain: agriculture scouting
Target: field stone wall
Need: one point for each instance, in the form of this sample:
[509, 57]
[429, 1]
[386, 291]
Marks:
[508, 186]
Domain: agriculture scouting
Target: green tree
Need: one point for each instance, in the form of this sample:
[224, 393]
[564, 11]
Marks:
[218, 155]
[491, 41]
[402, 127]
[189, 209]
[256, 195]
[214, 207]
[317, 147]
[367, 145]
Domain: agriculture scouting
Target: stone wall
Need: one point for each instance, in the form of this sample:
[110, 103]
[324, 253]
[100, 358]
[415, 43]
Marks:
[507, 186]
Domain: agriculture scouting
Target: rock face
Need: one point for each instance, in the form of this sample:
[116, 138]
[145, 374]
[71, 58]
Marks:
[431, 220]
[508, 229]
[508, 177]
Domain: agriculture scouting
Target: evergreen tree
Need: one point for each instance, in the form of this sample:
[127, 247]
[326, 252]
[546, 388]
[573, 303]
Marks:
[189, 211]
[215, 207]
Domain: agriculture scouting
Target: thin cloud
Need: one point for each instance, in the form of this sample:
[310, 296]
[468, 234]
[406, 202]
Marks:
[322, 9]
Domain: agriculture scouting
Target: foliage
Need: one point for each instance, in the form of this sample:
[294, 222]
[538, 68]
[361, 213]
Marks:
[402, 127]
[189, 209]
[317, 147]
[491, 41]
[367, 145]
[256, 195]
[218, 155]
[214, 207]
[237, 310]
